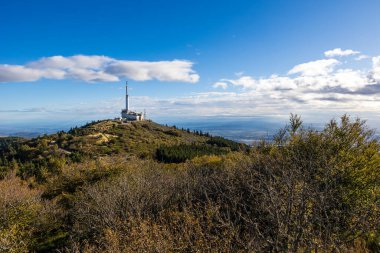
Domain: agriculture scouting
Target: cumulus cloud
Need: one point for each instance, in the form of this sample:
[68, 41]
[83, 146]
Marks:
[339, 52]
[315, 68]
[17, 73]
[326, 85]
[222, 85]
[95, 68]
[177, 70]
[362, 57]
[376, 68]
[245, 81]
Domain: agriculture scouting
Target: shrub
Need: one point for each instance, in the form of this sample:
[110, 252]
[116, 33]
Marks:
[222, 142]
[181, 153]
[317, 191]
[26, 222]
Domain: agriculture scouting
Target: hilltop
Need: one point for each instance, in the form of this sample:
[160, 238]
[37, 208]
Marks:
[106, 138]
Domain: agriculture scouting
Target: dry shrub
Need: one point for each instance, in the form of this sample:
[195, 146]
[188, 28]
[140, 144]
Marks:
[314, 191]
[138, 192]
[153, 209]
[73, 177]
[186, 231]
[19, 205]
[26, 221]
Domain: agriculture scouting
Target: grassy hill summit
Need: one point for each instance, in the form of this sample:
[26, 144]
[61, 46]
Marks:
[110, 186]
[139, 139]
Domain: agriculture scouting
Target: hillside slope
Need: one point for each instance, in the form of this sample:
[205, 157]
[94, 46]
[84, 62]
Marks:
[114, 137]
[47, 154]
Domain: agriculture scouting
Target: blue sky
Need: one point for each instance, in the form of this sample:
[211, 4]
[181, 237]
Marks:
[68, 60]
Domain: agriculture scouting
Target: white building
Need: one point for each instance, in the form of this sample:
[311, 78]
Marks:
[128, 115]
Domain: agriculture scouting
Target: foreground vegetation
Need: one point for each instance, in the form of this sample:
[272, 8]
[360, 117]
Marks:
[142, 187]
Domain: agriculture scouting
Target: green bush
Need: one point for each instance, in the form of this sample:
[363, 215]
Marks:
[222, 142]
[183, 152]
[27, 223]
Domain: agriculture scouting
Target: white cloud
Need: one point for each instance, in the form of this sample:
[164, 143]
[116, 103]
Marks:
[275, 82]
[352, 80]
[222, 85]
[340, 52]
[326, 86]
[314, 68]
[244, 81]
[376, 68]
[17, 73]
[362, 57]
[76, 61]
[95, 68]
[90, 75]
[177, 70]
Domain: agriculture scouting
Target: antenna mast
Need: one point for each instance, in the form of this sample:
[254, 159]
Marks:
[126, 96]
